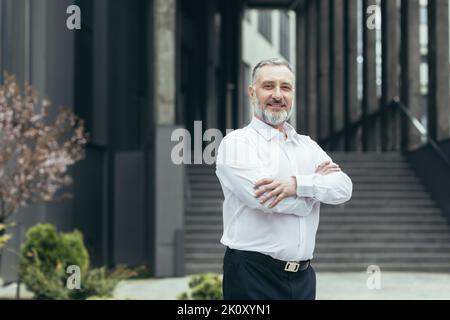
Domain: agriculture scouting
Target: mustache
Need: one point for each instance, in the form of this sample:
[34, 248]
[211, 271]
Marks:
[272, 101]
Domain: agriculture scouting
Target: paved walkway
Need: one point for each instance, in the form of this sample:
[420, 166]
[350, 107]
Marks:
[330, 286]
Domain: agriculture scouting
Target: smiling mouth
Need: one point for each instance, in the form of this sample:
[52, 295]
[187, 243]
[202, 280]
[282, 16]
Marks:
[276, 106]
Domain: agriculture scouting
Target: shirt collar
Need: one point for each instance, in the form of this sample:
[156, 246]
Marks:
[269, 132]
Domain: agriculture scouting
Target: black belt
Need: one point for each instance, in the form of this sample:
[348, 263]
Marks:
[288, 266]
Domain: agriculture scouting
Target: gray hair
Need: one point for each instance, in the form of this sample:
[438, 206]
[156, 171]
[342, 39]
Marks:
[270, 62]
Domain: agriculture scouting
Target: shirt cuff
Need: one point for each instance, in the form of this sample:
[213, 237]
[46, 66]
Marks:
[305, 187]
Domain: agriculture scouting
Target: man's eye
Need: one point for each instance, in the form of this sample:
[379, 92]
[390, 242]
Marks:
[287, 88]
[267, 87]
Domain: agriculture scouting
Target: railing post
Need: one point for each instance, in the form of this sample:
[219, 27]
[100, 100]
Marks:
[370, 101]
[390, 61]
[438, 66]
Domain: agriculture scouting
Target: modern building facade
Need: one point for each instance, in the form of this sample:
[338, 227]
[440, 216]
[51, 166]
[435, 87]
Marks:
[139, 69]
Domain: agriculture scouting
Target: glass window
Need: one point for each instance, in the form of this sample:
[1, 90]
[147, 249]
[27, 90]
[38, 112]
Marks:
[265, 24]
[284, 34]
[247, 16]
[14, 39]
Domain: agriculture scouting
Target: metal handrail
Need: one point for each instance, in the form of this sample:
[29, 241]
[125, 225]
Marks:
[395, 102]
[422, 130]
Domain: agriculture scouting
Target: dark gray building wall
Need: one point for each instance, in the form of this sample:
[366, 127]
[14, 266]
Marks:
[38, 48]
[102, 72]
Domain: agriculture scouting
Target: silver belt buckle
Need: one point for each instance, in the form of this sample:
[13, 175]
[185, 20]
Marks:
[292, 266]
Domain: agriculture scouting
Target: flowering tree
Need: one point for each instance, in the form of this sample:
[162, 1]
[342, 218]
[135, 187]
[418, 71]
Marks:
[36, 148]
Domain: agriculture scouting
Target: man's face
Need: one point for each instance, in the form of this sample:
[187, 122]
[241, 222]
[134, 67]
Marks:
[273, 94]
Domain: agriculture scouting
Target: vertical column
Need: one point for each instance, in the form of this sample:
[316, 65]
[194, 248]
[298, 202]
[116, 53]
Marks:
[438, 64]
[301, 72]
[352, 110]
[164, 63]
[337, 67]
[232, 20]
[169, 195]
[323, 104]
[1, 41]
[211, 62]
[410, 71]
[390, 119]
[91, 52]
[370, 103]
[312, 70]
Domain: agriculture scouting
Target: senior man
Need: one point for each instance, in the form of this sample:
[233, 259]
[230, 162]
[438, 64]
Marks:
[273, 181]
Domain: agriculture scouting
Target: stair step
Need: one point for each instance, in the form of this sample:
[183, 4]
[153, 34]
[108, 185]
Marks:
[343, 249]
[370, 258]
[358, 170]
[354, 227]
[376, 258]
[196, 268]
[434, 227]
[199, 194]
[367, 156]
[358, 174]
[352, 173]
[353, 203]
[388, 203]
[332, 245]
[354, 163]
[343, 237]
[355, 219]
[215, 186]
[326, 210]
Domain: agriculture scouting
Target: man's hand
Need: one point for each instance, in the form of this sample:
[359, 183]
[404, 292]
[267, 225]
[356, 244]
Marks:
[327, 167]
[278, 189]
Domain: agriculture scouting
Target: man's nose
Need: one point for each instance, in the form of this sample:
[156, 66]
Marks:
[277, 94]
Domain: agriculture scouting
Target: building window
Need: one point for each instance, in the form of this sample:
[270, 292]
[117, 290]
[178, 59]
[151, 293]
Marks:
[265, 24]
[284, 34]
[247, 16]
[15, 39]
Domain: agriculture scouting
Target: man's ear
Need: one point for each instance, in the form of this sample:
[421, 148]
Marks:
[251, 92]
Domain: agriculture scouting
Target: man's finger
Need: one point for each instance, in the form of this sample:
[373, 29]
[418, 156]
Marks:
[266, 188]
[270, 195]
[280, 197]
[323, 164]
[320, 166]
[331, 166]
[332, 170]
[263, 182]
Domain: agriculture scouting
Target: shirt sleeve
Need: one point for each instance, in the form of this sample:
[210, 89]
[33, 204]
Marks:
[238, 169]
[334, 189]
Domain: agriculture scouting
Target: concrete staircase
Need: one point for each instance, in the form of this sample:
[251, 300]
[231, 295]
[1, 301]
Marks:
[391, 221]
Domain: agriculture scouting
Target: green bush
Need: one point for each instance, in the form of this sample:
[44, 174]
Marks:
[45, 247]
[45, 256]
[206, 286]
[4, 237]
[101, 283]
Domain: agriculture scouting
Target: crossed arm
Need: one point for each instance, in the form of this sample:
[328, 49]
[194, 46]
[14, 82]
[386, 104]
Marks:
[244, 175]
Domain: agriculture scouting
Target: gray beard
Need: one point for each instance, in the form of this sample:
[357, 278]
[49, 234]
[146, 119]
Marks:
[271, 118]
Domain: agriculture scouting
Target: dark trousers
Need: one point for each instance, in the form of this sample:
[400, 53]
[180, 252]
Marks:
[245, 279]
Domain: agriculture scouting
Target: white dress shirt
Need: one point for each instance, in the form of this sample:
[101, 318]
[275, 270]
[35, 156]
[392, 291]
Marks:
[288, 231]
